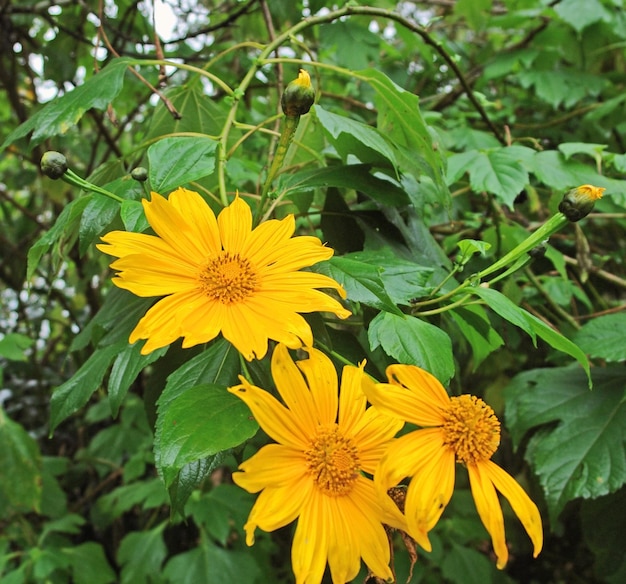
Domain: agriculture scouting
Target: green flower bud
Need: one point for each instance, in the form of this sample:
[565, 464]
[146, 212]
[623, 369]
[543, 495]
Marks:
[53, 164]
[579, 202]
[139, 174]
[298, 96]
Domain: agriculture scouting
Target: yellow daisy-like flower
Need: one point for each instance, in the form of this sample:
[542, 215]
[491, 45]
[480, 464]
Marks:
[220, 275]
[326, 440]
[460, 429]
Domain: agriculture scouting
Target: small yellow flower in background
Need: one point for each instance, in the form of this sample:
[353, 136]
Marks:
[460, 429]
[326, 440]
[220, 275]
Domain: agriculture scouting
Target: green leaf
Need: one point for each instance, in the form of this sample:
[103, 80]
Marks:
[201, 422]
[14, 345]
[126, 367]
[469, 247]
[361, 281]
[402, 279]
[477, 330]
[496, 171]
[467, 565]
[353, 176]
[97, 215]
[349, 136]
[529, 323]
[62, 229]
[20, 461]
[133, 216]
[603, 337]
[400, 119]
[562, 86]
[210, 564]
[63, 113]
[584, 453]
[141, 555]
[89, 564]
[579, 14]
[76, 391]
[175, 162]
[594, 150]
[414, 342]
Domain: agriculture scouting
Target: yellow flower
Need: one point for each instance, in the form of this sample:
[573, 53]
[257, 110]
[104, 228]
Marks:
[578, 203]
[460, 429]
[220, 275]
[326, 440]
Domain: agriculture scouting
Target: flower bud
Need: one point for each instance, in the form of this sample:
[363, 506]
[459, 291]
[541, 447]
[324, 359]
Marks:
[298, 96]
[53, 164]
[139, 174]
[579, 202]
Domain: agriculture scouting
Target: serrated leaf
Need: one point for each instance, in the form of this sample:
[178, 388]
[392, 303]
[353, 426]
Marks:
[579, 14]
[76, 391]
[210, 564]
[400, 119]
[496, 171]
[353, 176]
[348, 137]
[133, 216]
[63, 113]
[126, 367]
[201, 422]
[64, 225]
[414, 342]
[477, 330]
[174, 162]
[402, 279]
[97, 215]
[141, 554]
[603, 337]
[562, 85]
[529, 323]
[361, 281]
[89, 564]
[584, 455]
[20, 460]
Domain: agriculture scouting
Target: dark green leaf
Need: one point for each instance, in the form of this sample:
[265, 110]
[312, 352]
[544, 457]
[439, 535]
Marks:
[21, 461]
[126, 367]
[414, 342]
[97, 215]
[63, 113]
[89, 564]
[584, 454]
[62, 229]
[477, 330]
[141, 555]
[174, 162]
[76, 391]
[361, 281]
[133, 216]
[354, 176]
[201, 422]
[603, 337]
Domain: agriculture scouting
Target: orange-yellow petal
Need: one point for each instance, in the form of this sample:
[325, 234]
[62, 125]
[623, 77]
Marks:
[489, 510]
[321, 377]
[235, 226]
[309, 551]
[275, 419]
[352, 400]
[520, 502]
[424, 385]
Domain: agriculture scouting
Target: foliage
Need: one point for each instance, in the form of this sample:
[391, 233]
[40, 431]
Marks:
[443, 135]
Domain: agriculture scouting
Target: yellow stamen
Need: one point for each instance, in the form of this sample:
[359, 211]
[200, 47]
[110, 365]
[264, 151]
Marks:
[471, 429]
[333, 461]
[228, 278]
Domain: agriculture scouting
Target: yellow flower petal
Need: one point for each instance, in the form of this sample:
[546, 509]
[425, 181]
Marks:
[275, 419]
[424, 386]
[520, 502]
[321, 377]
[272, 466]
[309, 550]
[344, 553]
[235, 225]
[196, 211]
[352, 400]
[489, 510]
[400, 403]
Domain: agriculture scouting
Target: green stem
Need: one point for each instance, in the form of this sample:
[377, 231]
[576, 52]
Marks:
[72, 178]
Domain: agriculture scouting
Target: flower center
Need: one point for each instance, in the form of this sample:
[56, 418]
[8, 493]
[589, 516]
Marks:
[228, 278]
[471, 429]
[333, 461]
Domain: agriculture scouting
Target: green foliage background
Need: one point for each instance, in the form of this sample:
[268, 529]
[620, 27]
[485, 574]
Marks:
[440, 127]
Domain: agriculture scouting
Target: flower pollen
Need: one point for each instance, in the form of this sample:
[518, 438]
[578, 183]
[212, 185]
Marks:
[471, 429]
[333, 461]
[228, 278]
